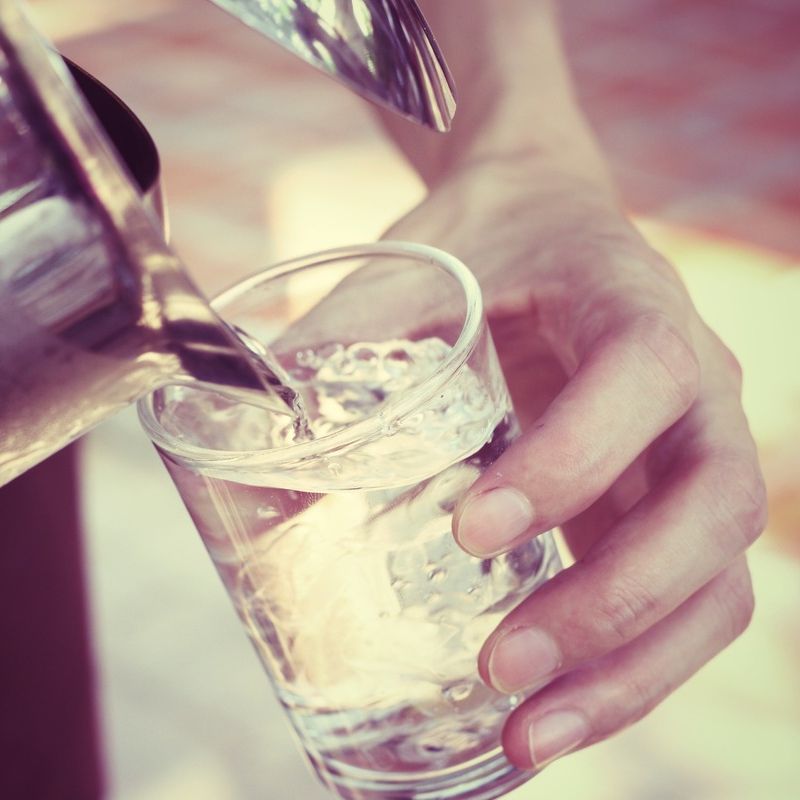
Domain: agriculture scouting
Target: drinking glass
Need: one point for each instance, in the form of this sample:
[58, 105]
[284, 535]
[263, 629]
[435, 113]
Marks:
[331, 527]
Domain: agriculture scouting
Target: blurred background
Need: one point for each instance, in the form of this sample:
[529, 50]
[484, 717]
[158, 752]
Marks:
[262, 159]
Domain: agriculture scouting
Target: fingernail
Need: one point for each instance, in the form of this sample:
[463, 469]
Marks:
[488, 522]
[522, 658]
[555, 735]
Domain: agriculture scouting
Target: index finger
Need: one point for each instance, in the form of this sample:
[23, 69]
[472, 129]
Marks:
[636, 380]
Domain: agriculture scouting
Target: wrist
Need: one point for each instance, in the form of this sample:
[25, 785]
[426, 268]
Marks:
[536, 211]
[558, 187]
[537, 170]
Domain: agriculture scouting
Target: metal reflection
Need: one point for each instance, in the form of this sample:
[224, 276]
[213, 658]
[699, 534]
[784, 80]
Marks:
[95, 308]
[382, 49]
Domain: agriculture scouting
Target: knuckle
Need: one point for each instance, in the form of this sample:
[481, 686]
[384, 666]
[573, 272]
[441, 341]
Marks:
[626, 696]
[665, 344]
[724, 357]
[737, 603]
[732, 364]
[638, 696]
[627, 608]
[744, 497]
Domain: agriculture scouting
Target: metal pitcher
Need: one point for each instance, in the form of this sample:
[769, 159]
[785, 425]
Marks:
[95, 309]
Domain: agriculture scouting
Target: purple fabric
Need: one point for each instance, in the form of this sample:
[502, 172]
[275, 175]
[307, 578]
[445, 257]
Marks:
[48, 718]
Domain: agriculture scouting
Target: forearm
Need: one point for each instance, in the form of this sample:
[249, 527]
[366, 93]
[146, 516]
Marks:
[515, 100]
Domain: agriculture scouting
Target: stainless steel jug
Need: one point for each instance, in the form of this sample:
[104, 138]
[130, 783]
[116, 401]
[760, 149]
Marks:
[95, 309]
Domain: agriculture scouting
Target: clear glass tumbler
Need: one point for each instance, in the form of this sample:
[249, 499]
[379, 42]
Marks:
[334, 541]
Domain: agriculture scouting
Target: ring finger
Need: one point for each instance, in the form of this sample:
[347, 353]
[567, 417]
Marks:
[595, 701]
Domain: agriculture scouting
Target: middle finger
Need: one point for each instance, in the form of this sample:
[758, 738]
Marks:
[685, 531]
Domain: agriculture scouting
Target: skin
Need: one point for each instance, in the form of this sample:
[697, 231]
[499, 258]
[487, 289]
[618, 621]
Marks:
[634, 442]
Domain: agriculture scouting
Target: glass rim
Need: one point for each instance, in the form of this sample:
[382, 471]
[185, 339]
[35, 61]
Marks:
[393, 409]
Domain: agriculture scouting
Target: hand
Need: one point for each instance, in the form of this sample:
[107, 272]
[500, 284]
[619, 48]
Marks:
[634, 442]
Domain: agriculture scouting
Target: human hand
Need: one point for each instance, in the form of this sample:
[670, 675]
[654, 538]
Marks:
[634, 442]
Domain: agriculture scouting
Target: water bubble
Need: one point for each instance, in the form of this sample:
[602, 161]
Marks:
[437, 574]
[328, 351]
[400, 354]
[307, 358]
[396, 363]
[267, 512]
[346, 366]
[363, 352]
[458, 692]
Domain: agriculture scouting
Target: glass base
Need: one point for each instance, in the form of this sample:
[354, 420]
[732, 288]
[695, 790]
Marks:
[483, 778]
